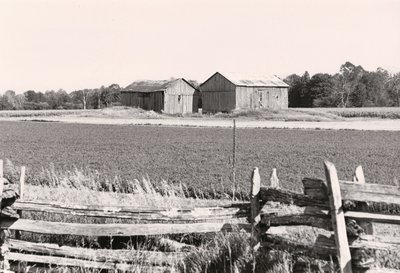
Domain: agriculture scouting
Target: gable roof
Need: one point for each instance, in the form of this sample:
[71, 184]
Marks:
[252, 80]
[147, 86]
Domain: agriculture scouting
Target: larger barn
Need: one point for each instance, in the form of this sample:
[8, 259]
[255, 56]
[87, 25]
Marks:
[224, 92]
[171, 97]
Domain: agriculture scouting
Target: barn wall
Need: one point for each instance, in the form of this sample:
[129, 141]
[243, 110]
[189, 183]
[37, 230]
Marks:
[262, 97]
[179, 98]
[273, 97]
[218, 94]
[214, 102]
[130, 99]
[195, 105]
[244, 97]
[148, 101]
[156, 101]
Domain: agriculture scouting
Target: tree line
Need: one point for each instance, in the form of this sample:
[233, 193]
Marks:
[80, 99]
[352, 86]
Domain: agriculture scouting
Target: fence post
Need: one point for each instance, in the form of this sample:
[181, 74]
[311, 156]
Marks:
[360, 178]
[337, 216]
[1, 169]
[274, 179]
[359, 175]
[255, 208]
[234, 157]
[4, 233]
[22, 183]
[21, 196]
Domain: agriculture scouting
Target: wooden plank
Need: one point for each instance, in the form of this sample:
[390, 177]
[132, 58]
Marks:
[373, 217]
[60, 261]
[278, 238]
[291, 198]
[337, 216]
[44, 227]
[98, 255]
[377, 270]
[354, 191]
[293, 215]
[288, 215]
[366, 251]
[201, 214]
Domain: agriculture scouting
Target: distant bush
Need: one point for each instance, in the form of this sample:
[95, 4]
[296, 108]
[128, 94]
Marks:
[36, 105]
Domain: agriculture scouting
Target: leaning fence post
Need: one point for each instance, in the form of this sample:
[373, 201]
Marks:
[337, 216]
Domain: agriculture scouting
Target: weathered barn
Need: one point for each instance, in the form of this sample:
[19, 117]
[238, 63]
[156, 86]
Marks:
[171, 97]
[224, 92]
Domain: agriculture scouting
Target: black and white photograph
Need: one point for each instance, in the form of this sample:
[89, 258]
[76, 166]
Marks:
[208, 136]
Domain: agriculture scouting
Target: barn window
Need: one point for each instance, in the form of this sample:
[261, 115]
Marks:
[179, 98]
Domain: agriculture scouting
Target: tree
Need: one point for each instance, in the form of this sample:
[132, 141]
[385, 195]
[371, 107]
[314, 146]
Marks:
[5, 104]
[109, 95]
[322, 90]
[347, 80]
[294, 82]
[10, 95]
[393, 89]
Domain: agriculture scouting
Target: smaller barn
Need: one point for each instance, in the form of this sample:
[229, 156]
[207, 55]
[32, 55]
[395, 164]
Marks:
[224, 92]
[171, 97]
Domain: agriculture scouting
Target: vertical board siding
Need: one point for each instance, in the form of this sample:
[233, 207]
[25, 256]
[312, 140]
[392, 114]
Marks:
[218, 95]
[261, 97]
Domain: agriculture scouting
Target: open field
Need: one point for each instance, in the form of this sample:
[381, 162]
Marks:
[365, 112]
[291, 114]
[386, 119]
[198, 157]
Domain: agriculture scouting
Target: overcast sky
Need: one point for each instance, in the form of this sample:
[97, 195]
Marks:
[51, 44]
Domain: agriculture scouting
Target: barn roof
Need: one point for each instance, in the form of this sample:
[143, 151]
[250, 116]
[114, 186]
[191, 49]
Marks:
[252, 80]
[147, 86]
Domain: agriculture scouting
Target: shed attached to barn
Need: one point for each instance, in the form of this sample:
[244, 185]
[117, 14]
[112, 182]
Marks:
[224, 92]
[171, 97]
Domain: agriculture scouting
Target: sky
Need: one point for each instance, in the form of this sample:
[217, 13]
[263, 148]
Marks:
[48, 45]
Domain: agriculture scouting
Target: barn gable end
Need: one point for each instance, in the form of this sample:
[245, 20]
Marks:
[218, 94]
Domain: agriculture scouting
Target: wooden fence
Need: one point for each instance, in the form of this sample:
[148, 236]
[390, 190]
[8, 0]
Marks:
[350, 210]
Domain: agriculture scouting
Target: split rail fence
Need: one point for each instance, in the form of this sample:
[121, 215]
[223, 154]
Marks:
[350, 210]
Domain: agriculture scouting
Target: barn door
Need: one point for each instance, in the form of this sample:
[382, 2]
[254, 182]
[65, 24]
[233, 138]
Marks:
[180, 103]
[146, 102]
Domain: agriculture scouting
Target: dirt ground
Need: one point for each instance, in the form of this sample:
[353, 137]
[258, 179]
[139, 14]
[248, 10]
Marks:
[354, 124]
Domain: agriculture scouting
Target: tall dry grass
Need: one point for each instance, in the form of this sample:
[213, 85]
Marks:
[210, 253]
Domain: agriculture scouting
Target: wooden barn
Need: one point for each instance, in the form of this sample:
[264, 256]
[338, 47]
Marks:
[224, 92]
[171, 97]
